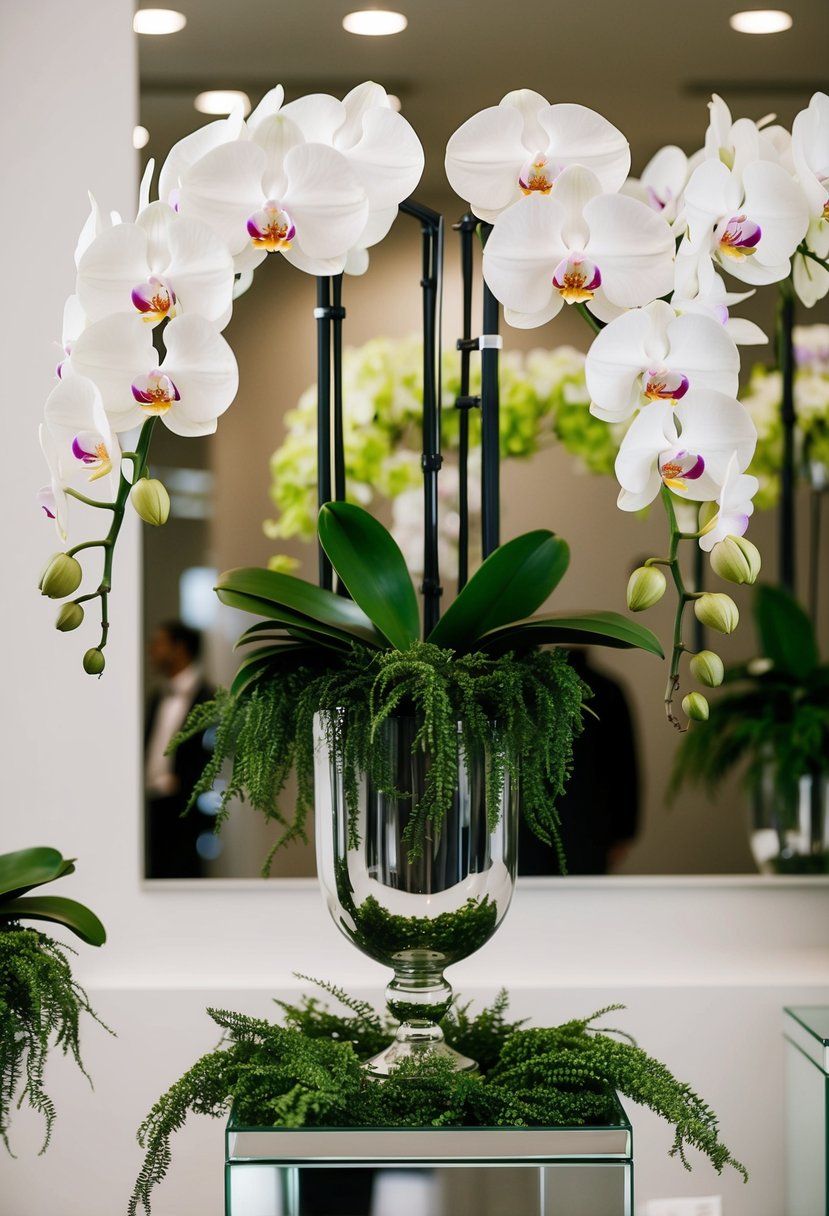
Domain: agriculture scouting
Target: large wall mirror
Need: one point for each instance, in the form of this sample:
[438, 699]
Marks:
[446, 66]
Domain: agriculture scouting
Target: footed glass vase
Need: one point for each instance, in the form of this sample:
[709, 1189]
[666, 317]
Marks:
[416, 898]
[790, 823]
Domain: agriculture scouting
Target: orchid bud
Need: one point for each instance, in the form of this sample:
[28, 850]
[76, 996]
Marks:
[94, 662]
[736, 559]
[646, 586]
[707, 668]
[61, 577]
[69, 617]
[717, 611]
[151, 501]
[695, 706]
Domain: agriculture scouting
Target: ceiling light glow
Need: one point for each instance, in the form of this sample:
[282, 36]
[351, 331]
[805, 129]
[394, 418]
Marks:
[374, 22]
[761, 21]
[158, 21]
[140, 137]
[221, 101]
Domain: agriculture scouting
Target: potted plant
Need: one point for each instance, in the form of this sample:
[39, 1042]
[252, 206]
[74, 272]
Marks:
[416, 747]
[774, 723]
[40, 1002]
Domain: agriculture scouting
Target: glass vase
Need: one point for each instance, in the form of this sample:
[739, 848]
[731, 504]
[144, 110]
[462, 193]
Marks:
[416, 901]
[790, 823]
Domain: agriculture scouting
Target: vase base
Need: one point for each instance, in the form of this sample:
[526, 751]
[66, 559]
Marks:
[409, 1048]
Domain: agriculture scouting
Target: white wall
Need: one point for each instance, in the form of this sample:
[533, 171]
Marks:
[704, 966]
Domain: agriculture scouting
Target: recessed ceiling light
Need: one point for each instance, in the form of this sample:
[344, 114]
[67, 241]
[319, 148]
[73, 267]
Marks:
[374, 22]
[140, 137]
[158, 21]
[761, 21]
[221, 101]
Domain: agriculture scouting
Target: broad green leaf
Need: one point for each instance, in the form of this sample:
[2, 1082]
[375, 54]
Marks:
[371, 566]
[291, 620]
[512, 582]
[294, 595]
[589, 628]
[270, 659]
[787, 636]
[68, 912]
[27, 868]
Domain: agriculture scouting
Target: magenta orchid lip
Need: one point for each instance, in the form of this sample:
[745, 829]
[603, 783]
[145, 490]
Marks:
[740, 237]
[156, 392]
[271, 228]
[576, 278]
[680, 468]
[663, 385]
[154, 299]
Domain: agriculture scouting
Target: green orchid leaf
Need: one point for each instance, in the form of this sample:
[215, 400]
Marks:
[512, 582]
[321, 630]
[270, 659]
[370, 564]
[55, 908]
[787, 636]
[589, 628]
[27, 868]
[268, 593]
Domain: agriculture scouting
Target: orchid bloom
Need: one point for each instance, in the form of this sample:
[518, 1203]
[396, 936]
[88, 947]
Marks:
[734, 507]
[698, 289]
[743, 209]
[381, 148]
[686, 447]
[578, 245]
[654, 354]
[662, 184]
[52, 499]
[85, 448]
[521, 146]
[161, 265]
[810, 153]
[191, 388]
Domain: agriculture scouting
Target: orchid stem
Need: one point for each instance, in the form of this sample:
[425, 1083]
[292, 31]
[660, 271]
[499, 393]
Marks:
[90, 502]
[683, 597]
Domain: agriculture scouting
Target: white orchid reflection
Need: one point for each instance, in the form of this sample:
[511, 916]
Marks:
[653, 354]
[161, 265]
[189, 390]
[686, 447]
[578, 245]
[521, 147]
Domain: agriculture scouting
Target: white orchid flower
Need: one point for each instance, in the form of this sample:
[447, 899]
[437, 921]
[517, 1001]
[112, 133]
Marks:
[750, 218]
[810, 154]
[736, 143]
[577, 245]
[522, 145]
[653, 354]
[734, 507]
[190, 150]
[193, 386]
[662, 184]
[686, 447]
[700, 290]
[86, 450]
[162, 265]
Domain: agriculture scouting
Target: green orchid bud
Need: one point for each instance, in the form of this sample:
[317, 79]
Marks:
[151, 501]
[94, 662]
[707, 668]
[646, 586]
[69, 617]
[736, 559]
[61, 577]
[717, 611]
[695, 707]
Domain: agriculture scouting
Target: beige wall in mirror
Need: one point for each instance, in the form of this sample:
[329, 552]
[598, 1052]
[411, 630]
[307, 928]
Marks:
[222, 503]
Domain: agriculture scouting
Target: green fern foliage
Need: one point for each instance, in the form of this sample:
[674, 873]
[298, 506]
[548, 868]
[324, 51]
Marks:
[308, 1073]
[523, 709]
[40, 1008]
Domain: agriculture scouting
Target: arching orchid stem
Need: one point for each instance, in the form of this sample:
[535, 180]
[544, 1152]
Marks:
[808, 253]
[86, 544]
[594, 323]
[90, 502]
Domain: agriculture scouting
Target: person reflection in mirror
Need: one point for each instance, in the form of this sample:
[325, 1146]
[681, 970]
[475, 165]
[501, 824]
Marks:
[599, 809]
[171, 837]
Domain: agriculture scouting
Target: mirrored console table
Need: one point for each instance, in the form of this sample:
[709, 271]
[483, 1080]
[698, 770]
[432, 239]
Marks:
[806, 1031]
[583, 1171]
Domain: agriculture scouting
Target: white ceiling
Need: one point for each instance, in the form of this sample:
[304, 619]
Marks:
[648, 65]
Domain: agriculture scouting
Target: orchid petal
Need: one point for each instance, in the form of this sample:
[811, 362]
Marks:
[111, 353]
[634, 248]
[315, 266]
[810, 151]
[356, 262]
[325, 199]
[531, 320]
[109, 269]
[530, 106]
[735, 507]
[185, 154]
[387, 159]
[810, 279]
[201, 270]
[359, 102]
[522, 252]
[203, 368]
[651, 431]
[59, 500]
[484, 158]
[270, 104]
[318, 116]
[223, 188]
[276, 136]
[73, 407]
[579, 136]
